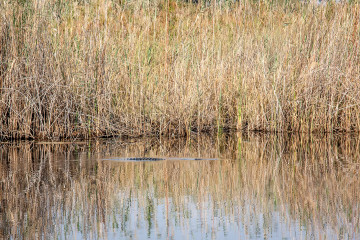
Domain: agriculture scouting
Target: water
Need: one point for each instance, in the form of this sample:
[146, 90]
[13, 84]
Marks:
[262, 187]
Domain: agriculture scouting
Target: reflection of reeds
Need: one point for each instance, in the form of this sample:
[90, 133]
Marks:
[94, 68]
[48, 189]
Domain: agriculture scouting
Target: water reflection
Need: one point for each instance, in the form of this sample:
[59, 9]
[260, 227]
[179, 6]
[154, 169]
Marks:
[264, 187]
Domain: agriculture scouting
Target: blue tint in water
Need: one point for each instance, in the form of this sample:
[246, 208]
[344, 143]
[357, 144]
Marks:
[197, 222]
[262, 188]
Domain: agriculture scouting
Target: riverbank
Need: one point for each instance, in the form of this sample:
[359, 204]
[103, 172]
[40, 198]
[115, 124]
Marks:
[72, 69]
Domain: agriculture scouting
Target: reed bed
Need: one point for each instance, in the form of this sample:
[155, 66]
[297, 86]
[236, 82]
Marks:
[82, 69]
[58, 191]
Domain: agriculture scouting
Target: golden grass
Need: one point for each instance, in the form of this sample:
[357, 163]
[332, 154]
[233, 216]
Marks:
[48, 189]
[102, 68]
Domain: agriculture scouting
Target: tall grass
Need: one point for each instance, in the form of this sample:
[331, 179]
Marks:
[102, 68]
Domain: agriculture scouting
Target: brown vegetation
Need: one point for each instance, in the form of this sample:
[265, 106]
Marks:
[101, 68]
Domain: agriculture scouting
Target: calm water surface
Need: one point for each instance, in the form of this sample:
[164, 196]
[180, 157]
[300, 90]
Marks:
[262, 187]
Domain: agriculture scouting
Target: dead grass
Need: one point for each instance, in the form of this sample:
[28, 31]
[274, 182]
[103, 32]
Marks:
[101, 68]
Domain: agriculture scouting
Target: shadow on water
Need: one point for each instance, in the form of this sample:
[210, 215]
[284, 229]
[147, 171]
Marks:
[262, 187]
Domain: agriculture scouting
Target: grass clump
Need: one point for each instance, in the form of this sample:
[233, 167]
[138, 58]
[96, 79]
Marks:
[102, 68]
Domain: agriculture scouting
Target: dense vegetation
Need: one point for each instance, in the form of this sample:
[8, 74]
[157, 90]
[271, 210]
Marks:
[101, 68]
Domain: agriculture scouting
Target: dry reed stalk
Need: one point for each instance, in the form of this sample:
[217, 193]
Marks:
[78, 69]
